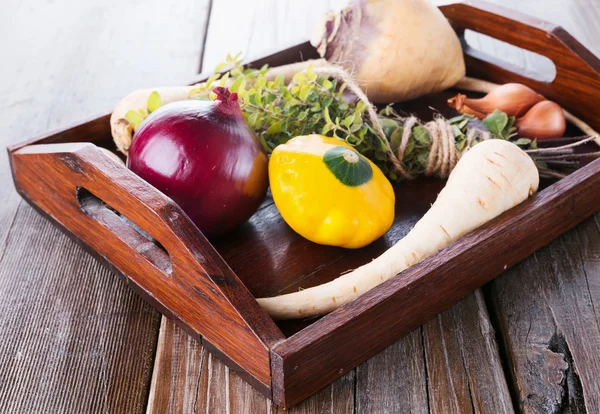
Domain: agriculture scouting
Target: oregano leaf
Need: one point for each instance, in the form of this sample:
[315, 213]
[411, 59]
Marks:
[154, 102]
[496, 122]
[134, 118]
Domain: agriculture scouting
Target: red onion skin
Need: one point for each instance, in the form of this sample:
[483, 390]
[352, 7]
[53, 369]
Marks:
[204, 157]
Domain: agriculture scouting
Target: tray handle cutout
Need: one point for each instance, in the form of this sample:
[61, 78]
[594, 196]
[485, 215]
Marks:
[529, 64]
[577, 82]
[81, 188]
[135, 237]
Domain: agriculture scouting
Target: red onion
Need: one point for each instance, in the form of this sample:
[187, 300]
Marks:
[203, 155]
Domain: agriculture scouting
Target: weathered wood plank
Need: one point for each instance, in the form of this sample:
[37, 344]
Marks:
[178, 355]
[463, 361]
[395, 380]
[546, 309]
[69, 329]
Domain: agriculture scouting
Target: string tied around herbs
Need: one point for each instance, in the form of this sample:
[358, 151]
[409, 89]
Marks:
[443, 154]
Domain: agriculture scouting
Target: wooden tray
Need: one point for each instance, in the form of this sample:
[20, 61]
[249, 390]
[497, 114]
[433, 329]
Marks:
[209, 289]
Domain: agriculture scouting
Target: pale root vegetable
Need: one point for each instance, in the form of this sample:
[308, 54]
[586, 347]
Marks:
[395, 49]
[122, 130]
[489, 179]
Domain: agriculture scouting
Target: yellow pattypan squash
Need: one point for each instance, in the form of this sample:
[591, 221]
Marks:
[329, 193]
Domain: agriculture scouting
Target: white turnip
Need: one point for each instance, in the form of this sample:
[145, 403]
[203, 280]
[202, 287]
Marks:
[395, 49]
[489, 179]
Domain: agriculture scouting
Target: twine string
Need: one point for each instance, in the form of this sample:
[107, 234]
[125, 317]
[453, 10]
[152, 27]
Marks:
[443, 154]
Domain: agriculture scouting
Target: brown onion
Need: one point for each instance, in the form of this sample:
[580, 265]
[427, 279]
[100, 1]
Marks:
[514, 99]
[546, 120]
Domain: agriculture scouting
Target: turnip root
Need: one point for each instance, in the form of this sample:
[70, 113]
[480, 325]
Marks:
[122, 130]
[395, 49]
[489, 179]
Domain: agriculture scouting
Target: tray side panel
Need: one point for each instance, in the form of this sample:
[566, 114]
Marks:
[188, 278]
[329, 348]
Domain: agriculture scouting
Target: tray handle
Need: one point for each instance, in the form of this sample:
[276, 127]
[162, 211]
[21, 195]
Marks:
[577, 82]
[187, 279]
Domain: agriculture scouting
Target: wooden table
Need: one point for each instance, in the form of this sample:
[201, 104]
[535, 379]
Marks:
[75, 338]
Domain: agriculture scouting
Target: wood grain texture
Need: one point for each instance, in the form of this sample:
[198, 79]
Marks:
[547, 313]
[73, 337]
[527, 300]
[464, 373]
[321, 401]
[85, 349]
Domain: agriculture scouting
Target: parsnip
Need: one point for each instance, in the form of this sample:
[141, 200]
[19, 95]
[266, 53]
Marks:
[491, 178]
[122, 131]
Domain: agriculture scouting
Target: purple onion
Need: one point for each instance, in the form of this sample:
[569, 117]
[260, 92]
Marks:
[203, 155]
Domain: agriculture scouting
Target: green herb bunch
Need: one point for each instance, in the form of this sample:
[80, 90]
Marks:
[315, 104]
